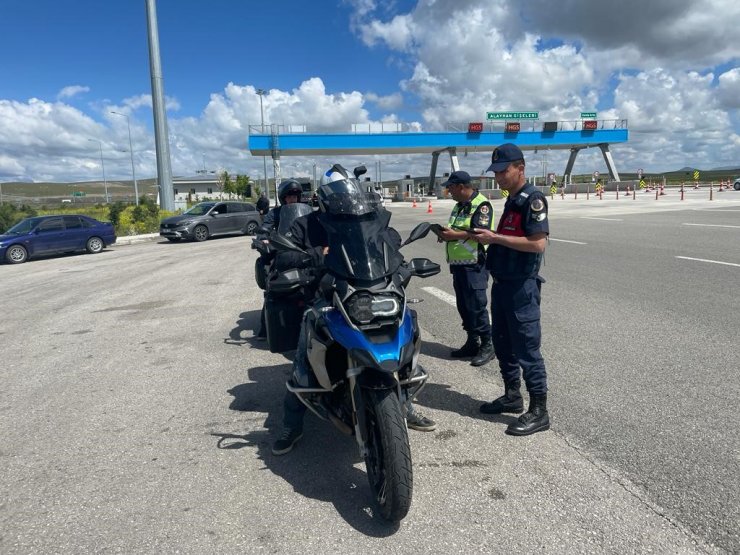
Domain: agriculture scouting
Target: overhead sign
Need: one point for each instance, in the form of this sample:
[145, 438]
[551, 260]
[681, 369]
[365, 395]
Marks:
[475, 127]
[513, 127]
[78, 193]
[590, 124]
[588, 115]
[513, 115]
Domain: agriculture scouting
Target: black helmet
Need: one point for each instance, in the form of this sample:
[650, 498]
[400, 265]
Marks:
[340, 194]
[289, 187]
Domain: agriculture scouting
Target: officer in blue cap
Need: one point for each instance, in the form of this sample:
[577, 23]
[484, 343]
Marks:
[467, 260]
[513, 258]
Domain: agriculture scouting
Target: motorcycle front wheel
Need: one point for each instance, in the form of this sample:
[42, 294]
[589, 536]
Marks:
[388, 459]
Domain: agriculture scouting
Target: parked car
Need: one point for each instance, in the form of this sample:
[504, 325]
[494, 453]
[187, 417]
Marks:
[207, 219]
[736, 185]
[42, 235]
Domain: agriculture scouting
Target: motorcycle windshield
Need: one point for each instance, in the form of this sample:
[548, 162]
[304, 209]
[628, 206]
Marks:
[361, 248]
[290, 213]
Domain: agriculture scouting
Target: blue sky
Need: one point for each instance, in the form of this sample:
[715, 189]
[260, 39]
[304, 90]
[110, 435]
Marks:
[66, 64]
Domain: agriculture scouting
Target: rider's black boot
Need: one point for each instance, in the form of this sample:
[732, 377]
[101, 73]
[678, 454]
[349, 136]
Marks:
[510, 401]
[485, 353]
[469, 349]
[534, 420]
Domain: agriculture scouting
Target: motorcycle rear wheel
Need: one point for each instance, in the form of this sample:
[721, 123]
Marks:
[388, 459]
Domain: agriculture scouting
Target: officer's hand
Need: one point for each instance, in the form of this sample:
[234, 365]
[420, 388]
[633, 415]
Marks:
[326, 251]
[484, 236]
[446, 234]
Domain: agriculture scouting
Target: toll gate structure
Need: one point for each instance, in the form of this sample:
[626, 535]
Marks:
[277, 140]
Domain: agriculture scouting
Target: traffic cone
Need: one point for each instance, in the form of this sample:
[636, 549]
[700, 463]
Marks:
[413, 203]
[662, 189]
[429, 207]
[721, 184]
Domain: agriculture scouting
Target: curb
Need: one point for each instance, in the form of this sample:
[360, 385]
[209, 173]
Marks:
[131, 239]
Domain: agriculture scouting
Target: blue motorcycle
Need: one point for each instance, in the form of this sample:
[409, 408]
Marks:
[363, 340]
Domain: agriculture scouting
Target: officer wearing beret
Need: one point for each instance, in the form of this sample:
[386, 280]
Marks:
[467, 262]
[514, 257]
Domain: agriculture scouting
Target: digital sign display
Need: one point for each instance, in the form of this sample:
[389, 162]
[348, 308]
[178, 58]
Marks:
[475, 127]
[550, 126]
[513, 127]
[590, 124]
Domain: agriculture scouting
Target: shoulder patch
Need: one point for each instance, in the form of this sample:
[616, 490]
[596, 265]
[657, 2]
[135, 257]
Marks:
[541, 217]
[538, 205]
[484, 209]
[484, 220]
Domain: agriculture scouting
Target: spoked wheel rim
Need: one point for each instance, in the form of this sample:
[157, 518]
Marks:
[95, 244]
[251, 228]
[17, 254]
[201, 233]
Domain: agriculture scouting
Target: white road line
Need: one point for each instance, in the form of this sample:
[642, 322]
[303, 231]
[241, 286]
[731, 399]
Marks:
[603, 219]
[566, 241]
[710, 261]
[714, 225]
[446, 297]
[714, 210]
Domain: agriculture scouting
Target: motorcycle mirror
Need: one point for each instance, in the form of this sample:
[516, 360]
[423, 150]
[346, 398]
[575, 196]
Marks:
[360, 170]
[419, 232]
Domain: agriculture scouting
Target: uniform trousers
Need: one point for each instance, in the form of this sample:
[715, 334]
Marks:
[517, 334]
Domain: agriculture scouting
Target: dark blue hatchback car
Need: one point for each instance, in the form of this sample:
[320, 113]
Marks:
[42, 235]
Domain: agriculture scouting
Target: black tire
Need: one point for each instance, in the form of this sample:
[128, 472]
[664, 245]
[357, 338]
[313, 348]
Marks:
[200, 233]
[16, 254]
[388, 459]
[173, 239]
[251, 228]
[737, 185]
[94, 245]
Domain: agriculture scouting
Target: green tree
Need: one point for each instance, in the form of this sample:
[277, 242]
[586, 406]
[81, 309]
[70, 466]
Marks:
[243, 186]
[114, 213]
[230, 186]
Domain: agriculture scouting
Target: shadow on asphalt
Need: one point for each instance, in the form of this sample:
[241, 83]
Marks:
[439, 396]
[321, 466]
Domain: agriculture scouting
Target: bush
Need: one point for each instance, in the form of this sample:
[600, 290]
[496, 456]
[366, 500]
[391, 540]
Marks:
[11, 215]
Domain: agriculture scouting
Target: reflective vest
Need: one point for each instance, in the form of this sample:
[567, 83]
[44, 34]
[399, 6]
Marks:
[465, 251]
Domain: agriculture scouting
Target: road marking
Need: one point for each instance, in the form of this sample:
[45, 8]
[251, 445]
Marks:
[566, 241]
[710, 261]
[715, 225]
[603, 219]
[446, 297]
[715, 210]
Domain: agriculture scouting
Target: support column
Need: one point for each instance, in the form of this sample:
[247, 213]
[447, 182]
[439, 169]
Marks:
[275, 151]
[609, 162]
[571, 161]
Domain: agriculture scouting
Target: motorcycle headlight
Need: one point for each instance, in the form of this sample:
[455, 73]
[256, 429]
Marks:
[363, 308]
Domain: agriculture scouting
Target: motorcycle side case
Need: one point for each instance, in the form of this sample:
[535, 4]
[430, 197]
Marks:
[283, 317]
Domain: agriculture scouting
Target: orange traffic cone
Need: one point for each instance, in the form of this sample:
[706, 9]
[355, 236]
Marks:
[413, 203]
[662, 189]
[429, 207]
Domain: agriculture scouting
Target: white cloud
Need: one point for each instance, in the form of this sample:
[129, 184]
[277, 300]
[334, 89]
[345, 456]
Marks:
[72, 90]
[389, 102]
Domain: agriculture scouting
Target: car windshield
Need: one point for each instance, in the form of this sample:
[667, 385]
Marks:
[24, 226]
[200, 209]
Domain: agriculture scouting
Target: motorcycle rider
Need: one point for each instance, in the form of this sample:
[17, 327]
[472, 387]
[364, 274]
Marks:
[289, 191]
[308, 233]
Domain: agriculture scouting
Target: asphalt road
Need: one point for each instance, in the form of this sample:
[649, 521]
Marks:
[138, 410]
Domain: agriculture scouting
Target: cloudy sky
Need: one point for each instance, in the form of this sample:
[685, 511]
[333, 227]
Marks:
[670, 67]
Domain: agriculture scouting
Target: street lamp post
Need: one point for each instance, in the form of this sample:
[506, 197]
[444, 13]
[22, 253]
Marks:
[131, 151]
[102, 164]
[261, 93]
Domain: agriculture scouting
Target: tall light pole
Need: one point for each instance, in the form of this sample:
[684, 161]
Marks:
[131, 151]
[102, 164]
[261, 93]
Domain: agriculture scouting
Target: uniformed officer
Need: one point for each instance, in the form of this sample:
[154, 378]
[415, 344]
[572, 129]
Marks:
[467, 262]
[514, 257]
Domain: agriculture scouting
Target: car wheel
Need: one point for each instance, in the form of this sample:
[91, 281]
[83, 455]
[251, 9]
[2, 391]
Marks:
[251, 228]
[173, 239]
[737, 185]
[16, 254]
[200, 233]
[94, 245]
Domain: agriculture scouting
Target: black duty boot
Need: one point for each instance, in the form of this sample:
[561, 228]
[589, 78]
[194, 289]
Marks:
[510, 401]
[534, 420]
[485, 353]
[470, 349]
[286, 441]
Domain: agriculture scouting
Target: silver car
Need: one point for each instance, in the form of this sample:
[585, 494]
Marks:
[211, 218]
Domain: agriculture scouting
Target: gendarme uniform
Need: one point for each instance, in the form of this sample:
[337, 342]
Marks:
[467, 265]
[515, 295]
